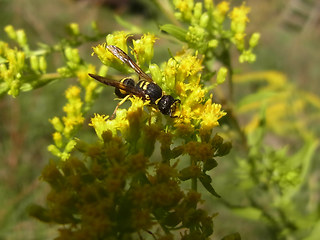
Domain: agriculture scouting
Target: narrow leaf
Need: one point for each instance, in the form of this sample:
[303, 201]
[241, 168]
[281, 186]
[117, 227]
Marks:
[206, 182]
[177, 32]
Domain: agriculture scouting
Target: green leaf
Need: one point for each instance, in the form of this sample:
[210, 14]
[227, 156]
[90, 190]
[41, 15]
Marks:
[224, 149]
[128, 25]
[255, 98]
[177, 32]
[206, 182]
[232, 236]
[3, 60]
[315, 233]
[303, 159]
[248, 212]
[210, 164]
[188, 173]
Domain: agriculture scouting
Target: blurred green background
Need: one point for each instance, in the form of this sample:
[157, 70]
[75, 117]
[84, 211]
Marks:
[290, 44]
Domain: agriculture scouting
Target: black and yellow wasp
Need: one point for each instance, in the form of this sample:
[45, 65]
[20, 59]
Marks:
[146, 89]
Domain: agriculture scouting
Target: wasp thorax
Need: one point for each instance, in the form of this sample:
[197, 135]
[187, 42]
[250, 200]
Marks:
[152, 91]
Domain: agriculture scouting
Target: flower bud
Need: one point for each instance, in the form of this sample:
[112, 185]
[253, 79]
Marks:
[74, 29]
[9, 29]
[118, 39]
[70, 146]
[42, 64]
[14, 88]
[21, 38]
[155, 73]
[222, 75]
[54, 150]
[34, 63]
[57, 138]
[57, 124]
[254, 40]
[204, 19]
[197, 12]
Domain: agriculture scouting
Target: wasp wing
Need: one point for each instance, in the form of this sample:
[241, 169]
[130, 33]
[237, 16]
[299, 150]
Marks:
[121, 55]
[110, 82]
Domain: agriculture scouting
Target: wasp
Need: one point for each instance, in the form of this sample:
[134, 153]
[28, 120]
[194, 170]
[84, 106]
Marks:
[146, 88]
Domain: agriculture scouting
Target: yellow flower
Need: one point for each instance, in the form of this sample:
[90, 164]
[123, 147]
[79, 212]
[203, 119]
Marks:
[57, 124]
[185, 7]
[57, 138]
[239, 14]
[72, 92]
[98, 122]
[211, 114]
[239, 18]
[103, 54]
[223, 7]
[220, 11]
[189, 66]
[143, 48]
[118, 39]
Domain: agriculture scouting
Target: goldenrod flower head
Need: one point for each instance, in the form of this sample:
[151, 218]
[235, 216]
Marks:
[220, 11]
[70, 123]
[98, 122]
[74, 28]
[137, 105]
[11, 71]
[239, 18]
[73, 110]
[82, 75]
[73, 57]
[254, 40]
[143, 49]
[188, 68]
[185, 70]
[208, 4]
[238, 40]
[57, 124]
[185, 8]
[87, 82]
[9, 29]
[169, 72]
[196, 37]
[72, 92]
[211, 114]
[180, 70]
[57, 138]
[223, 7]
[136, 116]
[118, 39]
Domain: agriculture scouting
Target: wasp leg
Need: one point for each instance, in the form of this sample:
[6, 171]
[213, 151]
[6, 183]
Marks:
[118, 105]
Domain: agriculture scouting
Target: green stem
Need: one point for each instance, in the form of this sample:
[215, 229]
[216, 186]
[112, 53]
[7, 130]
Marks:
[194, 181]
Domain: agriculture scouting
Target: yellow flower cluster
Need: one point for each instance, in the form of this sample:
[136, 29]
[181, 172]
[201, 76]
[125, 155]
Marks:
[121, 123]
[179, 76]
[11, 71]
[239, 21]
[195, 111]
[208, 28]
[66, 126]
[143, 49]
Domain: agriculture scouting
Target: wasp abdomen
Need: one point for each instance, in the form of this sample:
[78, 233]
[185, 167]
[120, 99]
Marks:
[127, 82]
[151, 90]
